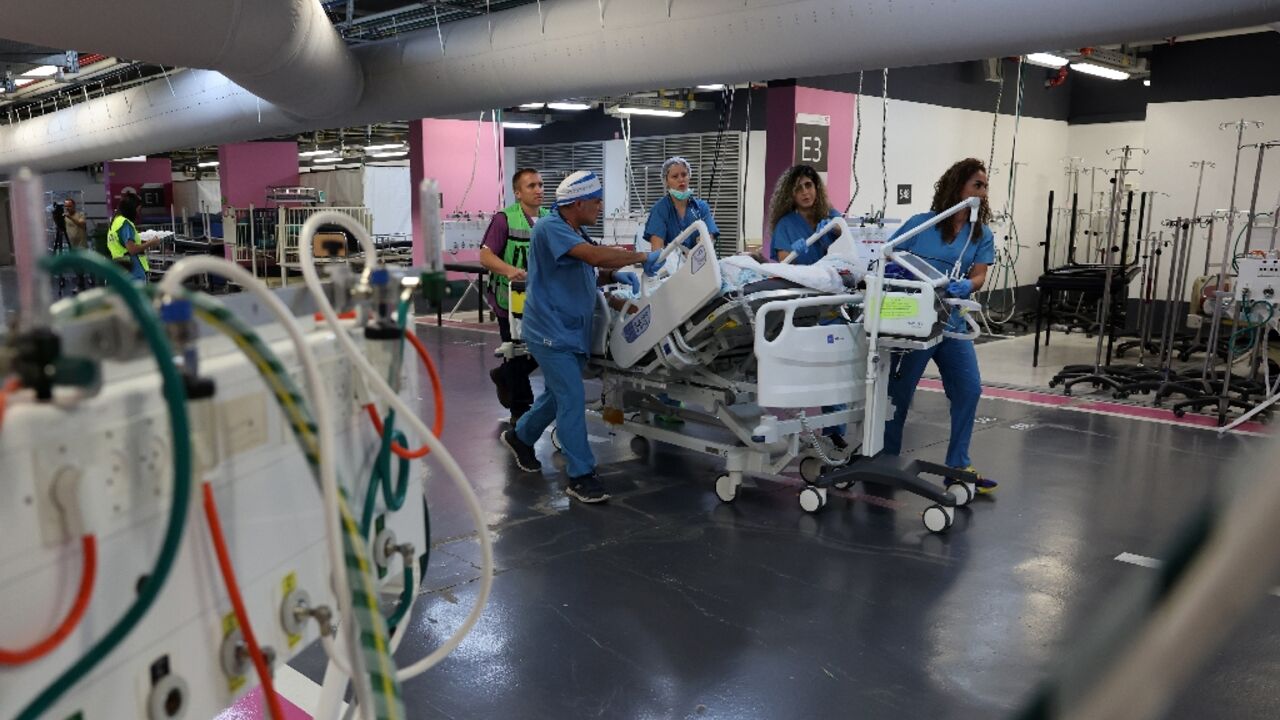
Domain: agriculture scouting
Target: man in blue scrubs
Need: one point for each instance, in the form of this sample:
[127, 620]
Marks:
[953, 250]
[558, 311]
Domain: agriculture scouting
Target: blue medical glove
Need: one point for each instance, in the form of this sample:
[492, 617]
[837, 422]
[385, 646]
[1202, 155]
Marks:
[652, 264]
[624, 277]
[960, 288]
[808, 254]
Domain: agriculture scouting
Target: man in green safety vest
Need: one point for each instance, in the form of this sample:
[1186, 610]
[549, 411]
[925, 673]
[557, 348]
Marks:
[505, 254]
[123, 241]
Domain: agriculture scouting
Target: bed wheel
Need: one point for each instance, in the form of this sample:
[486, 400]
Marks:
[726, 489]
[813, 499]
[938, 518]
[640, 446]
[555, 440]
[811, 469]
[963, 492]
[842, 484]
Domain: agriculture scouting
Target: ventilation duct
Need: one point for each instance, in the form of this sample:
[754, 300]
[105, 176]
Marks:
[565, 52]
[284, 51]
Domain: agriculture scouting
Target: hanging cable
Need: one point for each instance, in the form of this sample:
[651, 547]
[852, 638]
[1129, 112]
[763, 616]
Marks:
[270, 698]
[88, 571]
[726, 115]
[857, 141]
[995, 120]
[884, 141]
[475, 159]
[1006, 266]
[746, 170]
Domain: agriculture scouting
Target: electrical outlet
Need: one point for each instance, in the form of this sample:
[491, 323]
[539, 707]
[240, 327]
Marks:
[244, 420]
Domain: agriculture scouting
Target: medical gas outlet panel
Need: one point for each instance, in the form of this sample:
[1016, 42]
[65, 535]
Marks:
[1258, 277]
[101, 466]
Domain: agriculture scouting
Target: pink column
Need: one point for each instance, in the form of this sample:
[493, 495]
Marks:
[246, 170]
[135, 176]
[446, 151]
[783, 106]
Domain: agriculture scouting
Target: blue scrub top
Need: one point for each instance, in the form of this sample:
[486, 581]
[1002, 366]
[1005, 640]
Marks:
[929, 246]
[562, 289]
[793, 229]
[667, 224]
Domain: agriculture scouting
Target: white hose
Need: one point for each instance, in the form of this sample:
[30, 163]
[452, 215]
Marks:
[379, 385]
[171, 285]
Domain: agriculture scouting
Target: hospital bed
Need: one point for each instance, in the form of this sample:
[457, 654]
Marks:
[757, 371]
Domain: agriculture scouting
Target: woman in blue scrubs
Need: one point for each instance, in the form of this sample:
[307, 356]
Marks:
[678, 208]
[943, 246]
[798, 208]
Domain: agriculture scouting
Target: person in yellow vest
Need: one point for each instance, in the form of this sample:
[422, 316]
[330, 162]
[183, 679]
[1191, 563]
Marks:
[123, 241]
[505, 254]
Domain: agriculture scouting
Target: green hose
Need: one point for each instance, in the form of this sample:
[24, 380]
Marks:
[392, 497]
[175, 397]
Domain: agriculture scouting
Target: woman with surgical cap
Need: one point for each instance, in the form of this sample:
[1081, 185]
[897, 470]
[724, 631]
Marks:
[678, 208]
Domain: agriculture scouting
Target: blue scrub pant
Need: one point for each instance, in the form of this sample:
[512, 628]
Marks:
[958, 364]
[564, 401]
[135, 270]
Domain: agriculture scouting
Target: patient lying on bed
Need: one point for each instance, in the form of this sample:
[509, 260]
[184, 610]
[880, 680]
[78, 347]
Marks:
[832, 274]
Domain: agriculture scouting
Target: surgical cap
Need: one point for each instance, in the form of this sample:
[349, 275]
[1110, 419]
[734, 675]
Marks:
[581, 185]
[677, 160]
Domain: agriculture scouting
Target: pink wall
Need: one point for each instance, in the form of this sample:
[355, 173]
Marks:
[782, 106]
[121, 175]
[246, 170]
[445, 150]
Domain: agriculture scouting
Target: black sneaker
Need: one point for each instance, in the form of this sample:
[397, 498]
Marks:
[524, 454]
[587, 489]
[839, 442]
[504, 393]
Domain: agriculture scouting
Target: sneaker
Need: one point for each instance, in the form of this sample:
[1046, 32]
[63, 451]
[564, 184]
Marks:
[839, 442]
[587, 489]
[524, 454]
[982, 485]
[504, 393]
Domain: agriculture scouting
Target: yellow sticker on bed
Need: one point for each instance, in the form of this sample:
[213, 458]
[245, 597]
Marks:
[896, 307]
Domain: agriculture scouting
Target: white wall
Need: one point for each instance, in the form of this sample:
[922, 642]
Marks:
[1178, 134]
[1091, 142]
[753, 229]
[93, 191]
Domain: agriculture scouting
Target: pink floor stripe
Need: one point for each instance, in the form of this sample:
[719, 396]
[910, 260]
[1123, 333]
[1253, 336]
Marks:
[1032, 397]
[251, 707]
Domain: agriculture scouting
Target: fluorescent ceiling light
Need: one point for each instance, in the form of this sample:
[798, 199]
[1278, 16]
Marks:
[1099, 71]
[568, 106]
[1146, 83]
[135, 158]
[23, 82]
[717, 86]
[1048, 60]
[513, 125]
[533, 106]
[327, 159]
[388, 146]
[313, 153]
[656, 112]
[41, 72]
[208, 163]
[400, 153]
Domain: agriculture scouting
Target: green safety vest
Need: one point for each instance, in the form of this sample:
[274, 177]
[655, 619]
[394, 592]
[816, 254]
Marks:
[516, 251]
[116, 247]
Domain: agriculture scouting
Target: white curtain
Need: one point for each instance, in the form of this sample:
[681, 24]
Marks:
[387, 194]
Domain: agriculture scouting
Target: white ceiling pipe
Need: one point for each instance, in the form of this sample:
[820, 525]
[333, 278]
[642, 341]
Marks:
[638, 49]
[285, 51]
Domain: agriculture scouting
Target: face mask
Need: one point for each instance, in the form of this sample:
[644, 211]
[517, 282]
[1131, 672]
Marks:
[680, 194]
